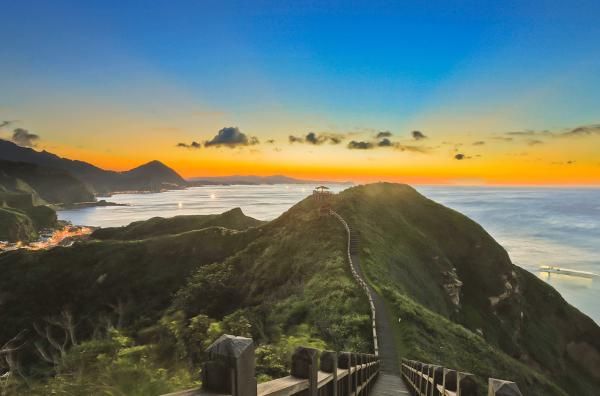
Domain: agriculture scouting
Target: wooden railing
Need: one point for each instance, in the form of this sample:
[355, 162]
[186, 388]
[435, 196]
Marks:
[230, 370]
[360, 281]
[431, 380]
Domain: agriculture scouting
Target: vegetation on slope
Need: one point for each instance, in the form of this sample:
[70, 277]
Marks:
[53, 186]
[22, 209]
[152, 176]
[461, 301]
[132, 313]
[136, 315]
[233, 219]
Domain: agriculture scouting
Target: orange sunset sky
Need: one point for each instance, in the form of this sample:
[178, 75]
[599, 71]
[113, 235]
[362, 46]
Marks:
[457, 94]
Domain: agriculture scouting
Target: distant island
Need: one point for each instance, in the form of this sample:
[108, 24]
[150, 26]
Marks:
[256, 180]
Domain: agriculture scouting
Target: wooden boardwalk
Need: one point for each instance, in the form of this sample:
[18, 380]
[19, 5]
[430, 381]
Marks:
[389, 385]
[390, 381]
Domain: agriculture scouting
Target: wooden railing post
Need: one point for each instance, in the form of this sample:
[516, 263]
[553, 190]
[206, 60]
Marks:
[424, 383]
[449, 380]
[466, 384]
[438, 379]
[230, 367]
[329, 364]
[304, 365]
[345, 362]
[353, 362]
[363, 372]
[498, 387]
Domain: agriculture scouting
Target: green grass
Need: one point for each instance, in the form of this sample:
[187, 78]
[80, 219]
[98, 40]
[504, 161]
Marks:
[408, 246]
[171, 290]
[284, 283]
[233, 219]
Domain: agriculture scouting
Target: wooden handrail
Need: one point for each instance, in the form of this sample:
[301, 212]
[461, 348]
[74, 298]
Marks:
[360, 281]
[431, 380]
[230, 371]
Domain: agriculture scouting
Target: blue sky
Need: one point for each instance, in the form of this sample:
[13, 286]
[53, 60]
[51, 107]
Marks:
[275, 67]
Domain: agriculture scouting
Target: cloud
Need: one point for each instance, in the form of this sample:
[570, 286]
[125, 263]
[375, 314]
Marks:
[478, 143]
[192, 145]
[23, 137]
[529, 132]
[270, 141]
[413, 149]
[384, 134]
[503, 138]
[360, 145]
[418, 135]
[312, 138]
[231, 137]
[569, 162]
[584, 130]
[4, 124]
[534, 142]
[317, 139]
[459, 156]
[385, 142]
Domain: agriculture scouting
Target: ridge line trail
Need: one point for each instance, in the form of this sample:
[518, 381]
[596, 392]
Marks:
[390, 381]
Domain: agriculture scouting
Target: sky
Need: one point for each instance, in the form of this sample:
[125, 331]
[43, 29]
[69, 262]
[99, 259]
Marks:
[469, 92]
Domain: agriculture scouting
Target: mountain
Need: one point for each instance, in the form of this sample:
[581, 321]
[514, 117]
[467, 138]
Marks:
[25, 189]
[461, 300]
[255, 180]
[153, 176]
[233, 219]
[136, 306]
[53, 186]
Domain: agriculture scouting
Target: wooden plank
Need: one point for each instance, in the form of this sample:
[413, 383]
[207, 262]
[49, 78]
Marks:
[323, 378]
[282, 386]
[196, 392]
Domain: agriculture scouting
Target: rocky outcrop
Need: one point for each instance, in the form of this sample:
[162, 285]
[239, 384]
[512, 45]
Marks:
[452, 285]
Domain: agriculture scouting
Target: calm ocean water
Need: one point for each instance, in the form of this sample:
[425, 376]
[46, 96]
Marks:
[537, 226]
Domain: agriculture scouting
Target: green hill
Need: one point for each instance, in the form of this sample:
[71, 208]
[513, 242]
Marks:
[233, 219]
[284, 283]
[22, 205]
[439, 269]
[136, 309]
[53, 186]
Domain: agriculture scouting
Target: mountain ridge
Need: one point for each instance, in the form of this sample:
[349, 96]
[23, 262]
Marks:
[152, 176]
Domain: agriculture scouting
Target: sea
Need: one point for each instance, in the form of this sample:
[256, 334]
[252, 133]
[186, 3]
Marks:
[537, 226]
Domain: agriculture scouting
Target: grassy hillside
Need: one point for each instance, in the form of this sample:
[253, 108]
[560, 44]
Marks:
[233, 219]
[438, 269]
[142, 311]
[22, 210]
[54, 186]
[133, 312]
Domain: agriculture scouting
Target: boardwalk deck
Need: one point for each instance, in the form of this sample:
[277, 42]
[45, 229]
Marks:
[389, 385]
